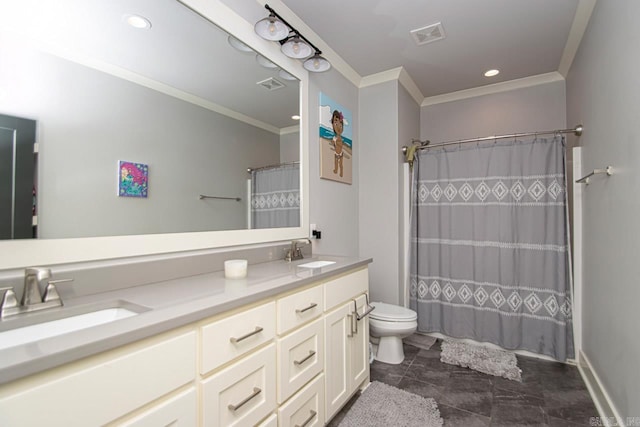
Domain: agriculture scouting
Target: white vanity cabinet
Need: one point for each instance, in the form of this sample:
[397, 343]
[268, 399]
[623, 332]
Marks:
[346, 339]
[103, 388]
[292, 359]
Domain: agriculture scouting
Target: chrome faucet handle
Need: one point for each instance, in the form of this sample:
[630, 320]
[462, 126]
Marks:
[9, 303]
[51, 293]
[33, 278]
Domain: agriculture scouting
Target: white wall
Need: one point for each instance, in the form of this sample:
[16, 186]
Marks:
[604, 94]
[88, 120]
[379, 214]
[389, 119]
[408, 129]
[333, 205]
[529, 109]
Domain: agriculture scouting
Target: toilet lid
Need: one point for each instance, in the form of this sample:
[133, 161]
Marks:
[392, 312]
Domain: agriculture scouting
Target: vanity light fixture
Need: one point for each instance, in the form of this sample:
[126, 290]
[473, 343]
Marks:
[272, 28]
[295, 117]
[137, 21]
[293, 44]
[317, 63]
[491, 73]
[265, 62]
[238, 45]
[296, 48]
[286, 76]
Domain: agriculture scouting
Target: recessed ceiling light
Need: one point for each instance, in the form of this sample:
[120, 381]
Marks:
[295, 117]
[492, 73]
[137, 21]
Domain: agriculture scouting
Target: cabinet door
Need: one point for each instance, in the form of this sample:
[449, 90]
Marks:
[359, 346]
[337, 365]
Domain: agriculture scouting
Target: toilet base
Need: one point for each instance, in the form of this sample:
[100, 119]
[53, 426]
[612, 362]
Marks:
[390, 350]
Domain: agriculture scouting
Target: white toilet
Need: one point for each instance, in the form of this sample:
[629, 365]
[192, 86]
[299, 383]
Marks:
[388, 325]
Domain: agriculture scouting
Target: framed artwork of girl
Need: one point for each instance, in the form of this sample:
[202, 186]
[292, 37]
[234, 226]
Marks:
[336, 143]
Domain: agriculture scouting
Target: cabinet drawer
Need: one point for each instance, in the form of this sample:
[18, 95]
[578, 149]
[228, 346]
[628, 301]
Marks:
[300, 358]
[306, 408]
[243, 393]
[272, 421]
[346, 287]
[234, 336]
[180, 410]
[111, 388]
[299, 308]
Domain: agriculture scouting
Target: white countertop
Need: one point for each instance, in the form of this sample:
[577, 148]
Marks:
[172, 304]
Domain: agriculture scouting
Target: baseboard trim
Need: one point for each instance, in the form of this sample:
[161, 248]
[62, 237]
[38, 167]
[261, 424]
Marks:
[607, 410]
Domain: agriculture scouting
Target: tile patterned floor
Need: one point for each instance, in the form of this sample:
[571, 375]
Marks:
[551, 394]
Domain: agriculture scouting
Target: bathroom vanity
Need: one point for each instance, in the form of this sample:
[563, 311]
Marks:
[286, 346]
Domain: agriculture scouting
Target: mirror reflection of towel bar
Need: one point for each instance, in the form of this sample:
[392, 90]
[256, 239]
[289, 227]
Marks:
[237, 199]
[585, 179]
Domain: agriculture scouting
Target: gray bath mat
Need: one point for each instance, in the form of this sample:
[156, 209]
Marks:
[382, 405]
[487, 360]
[421, 341]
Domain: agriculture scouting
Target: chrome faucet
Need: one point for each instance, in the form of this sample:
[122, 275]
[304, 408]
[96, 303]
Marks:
[35, 278]
[294, 252]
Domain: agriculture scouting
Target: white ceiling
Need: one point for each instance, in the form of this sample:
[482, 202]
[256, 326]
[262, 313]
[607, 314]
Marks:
[521, 38]
[181, 50]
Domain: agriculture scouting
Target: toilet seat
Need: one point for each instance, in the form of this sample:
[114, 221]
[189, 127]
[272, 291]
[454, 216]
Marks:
[392, 313]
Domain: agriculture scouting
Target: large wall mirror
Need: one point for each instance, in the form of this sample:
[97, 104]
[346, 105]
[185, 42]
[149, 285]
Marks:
[151, 122]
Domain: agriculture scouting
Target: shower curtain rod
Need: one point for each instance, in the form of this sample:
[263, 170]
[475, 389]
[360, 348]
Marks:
[427, 144]
[249, 170]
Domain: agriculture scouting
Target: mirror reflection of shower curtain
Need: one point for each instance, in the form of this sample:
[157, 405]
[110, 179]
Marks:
[489, 245]
[275, 197]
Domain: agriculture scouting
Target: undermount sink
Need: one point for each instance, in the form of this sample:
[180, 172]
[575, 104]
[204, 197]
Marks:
[55, 322]
[316, 264]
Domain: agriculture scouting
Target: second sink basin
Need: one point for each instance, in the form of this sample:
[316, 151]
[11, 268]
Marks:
[52, 324]
[316, 264]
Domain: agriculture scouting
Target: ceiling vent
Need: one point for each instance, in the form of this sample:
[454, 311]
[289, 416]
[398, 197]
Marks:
[428, 34]
[271, 84]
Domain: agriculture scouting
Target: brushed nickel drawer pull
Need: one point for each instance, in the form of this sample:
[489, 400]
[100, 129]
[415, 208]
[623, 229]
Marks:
[312, 305]
[308, 420]
[256, 391]
[244, 337]
[300, 362]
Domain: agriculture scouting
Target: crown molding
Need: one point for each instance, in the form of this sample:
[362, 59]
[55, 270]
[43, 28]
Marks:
[580, 22]
[395, 74]
[290, 129]
[524, 82]
[125, 74]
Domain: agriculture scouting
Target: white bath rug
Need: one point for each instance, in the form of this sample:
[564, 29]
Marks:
[487, 360]
[382, 405]
[421, 341]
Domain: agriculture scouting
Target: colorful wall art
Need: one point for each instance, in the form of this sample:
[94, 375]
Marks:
[133, 179]
[336, 141]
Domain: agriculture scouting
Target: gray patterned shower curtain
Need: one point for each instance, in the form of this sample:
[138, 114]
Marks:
[489, 245]
[275, 197]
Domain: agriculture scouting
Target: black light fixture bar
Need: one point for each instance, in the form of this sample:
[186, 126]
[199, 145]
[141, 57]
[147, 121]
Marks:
[293, 30]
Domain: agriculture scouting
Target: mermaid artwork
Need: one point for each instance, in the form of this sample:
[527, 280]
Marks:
[337, 122]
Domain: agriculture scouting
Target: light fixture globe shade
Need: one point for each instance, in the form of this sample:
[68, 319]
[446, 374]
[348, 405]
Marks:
[238, 45]
[296, 48]
[316, 64]
[265, 62]
[271, 28]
